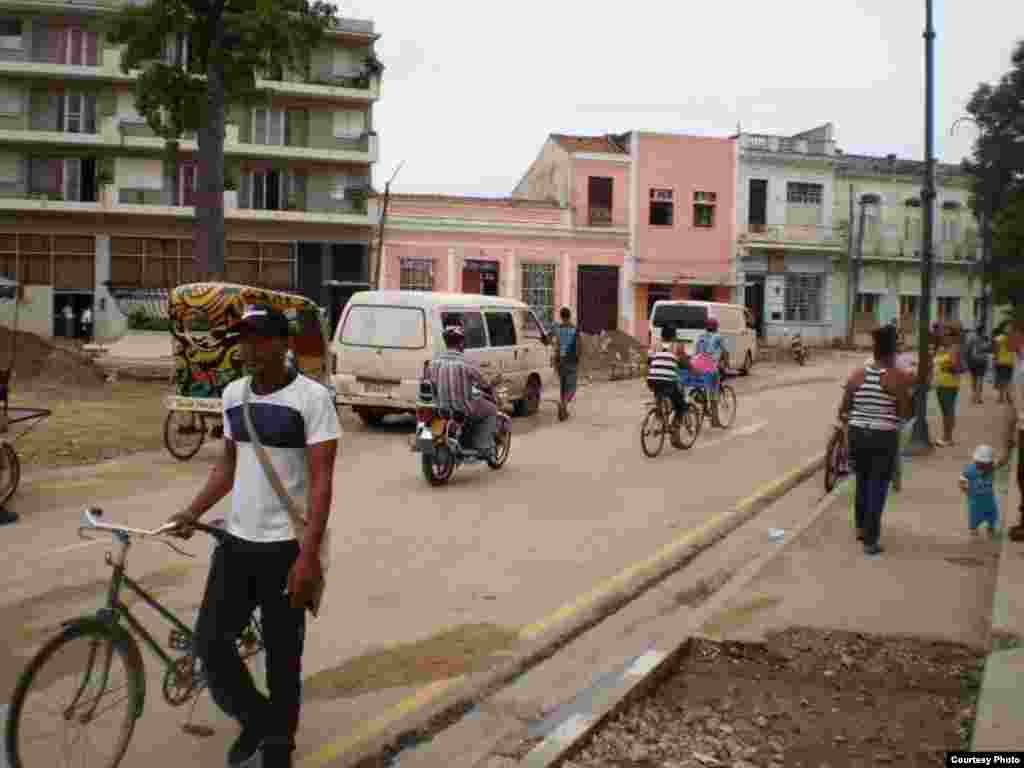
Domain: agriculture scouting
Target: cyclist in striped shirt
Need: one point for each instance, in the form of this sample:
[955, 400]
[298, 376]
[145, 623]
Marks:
[663, 364]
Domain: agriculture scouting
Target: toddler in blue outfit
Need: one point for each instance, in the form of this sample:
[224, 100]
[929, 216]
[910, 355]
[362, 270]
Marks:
[976, 482]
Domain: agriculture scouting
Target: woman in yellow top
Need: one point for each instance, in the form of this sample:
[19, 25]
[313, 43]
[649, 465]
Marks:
[946, 379]
[1003, 363]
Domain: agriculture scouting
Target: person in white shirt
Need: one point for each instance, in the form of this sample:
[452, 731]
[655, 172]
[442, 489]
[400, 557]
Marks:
[262, 563]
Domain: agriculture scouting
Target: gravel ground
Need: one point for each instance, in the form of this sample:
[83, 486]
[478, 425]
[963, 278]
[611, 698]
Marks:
[805, 698]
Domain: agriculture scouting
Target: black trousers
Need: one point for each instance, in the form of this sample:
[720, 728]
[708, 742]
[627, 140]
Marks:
[873, 453]
[672, 391]
[244, 575]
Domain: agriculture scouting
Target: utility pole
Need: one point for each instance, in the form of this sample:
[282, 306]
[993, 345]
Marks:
[851, 296]
[920, 442]
[380, 232]
[860, 256]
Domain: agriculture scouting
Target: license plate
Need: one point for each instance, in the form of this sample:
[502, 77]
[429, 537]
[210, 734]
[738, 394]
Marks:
[376, 388]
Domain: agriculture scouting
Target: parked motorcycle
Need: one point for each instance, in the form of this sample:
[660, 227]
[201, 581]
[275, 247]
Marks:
[444, 438]
[796, 346]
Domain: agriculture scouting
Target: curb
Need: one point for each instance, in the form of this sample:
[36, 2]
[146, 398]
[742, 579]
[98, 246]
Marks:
[412, 722]
[647, 670]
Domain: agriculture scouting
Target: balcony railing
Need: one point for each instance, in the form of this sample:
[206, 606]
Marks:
[600, 216]
[792, 233]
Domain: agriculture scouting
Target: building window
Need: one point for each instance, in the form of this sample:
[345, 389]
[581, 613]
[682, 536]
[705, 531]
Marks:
[909, 306]
[10, 34]
[804, 298]
[662, 208]
[274, 190]
[416, 274]
[539, 290]
[804, 194]
[867, 304]
[704, 209]
[349, 124]
[72, 45]
[268, 126]
[599, 200]
[10, 99]
[949, 309]
[950, 230]
[176, 49]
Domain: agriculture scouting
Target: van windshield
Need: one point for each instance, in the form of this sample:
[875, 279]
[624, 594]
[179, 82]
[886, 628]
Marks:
[378, 326]
[685, 317]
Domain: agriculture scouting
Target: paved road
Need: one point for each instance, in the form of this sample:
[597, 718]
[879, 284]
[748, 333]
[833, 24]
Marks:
[576, 504]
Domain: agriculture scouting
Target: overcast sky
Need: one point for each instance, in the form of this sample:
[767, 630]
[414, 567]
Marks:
[472, 88]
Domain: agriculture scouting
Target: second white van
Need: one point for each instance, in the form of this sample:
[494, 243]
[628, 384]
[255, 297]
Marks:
[689, 318]
[384, 338]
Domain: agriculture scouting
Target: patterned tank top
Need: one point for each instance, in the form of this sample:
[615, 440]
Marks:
[873, 407]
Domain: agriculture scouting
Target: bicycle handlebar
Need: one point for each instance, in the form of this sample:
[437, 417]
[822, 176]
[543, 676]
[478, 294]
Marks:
[90, 521]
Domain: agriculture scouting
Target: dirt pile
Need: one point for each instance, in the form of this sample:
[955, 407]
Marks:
[611, 355]
[805, 698]
[38, 363]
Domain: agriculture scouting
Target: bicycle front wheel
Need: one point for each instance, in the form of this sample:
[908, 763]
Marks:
[77, 701]
[652, 433]
[835, 459]
[689, 428]
[726, 406]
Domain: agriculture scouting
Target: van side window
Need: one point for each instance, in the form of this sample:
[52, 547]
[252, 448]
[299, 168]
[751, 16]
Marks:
[472, 325]
[531, 328]
[501, 329]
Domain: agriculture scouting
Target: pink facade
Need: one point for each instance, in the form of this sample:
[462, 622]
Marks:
[522, 249]
[581, 201]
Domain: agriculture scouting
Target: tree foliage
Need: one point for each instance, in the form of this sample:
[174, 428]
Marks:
[229, 44]
[997, 168]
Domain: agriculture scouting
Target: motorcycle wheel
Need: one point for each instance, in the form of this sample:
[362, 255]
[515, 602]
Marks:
[439, 468]
[503, 446]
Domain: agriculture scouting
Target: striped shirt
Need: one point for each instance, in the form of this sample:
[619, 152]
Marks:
[453, 376]
[873, 407]
[663, 365]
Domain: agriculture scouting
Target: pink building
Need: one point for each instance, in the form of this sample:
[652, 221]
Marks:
[602, 224]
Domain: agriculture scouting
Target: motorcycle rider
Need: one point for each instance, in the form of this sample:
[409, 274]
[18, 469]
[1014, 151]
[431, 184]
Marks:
[453, 377]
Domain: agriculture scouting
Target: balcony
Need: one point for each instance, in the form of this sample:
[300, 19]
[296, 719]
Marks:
[793, 235]
[23, 64]
[765, 143]
[117, 133]
[599, 216]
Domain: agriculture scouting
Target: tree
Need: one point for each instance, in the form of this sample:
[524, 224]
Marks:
[1008, 249]
[196, 57]
[997, 168]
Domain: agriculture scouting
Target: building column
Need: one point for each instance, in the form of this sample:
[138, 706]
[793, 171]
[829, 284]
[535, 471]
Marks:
[454, 283]
[565, 279]
[512, 275]
[627, 291]
[108, 322]
[384, 269]
[326, 273]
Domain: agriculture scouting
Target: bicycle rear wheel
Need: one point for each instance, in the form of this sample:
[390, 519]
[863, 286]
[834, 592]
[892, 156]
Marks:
[77, 701]
[652, 432]
[689, 428]
[727, 406]
[835, 460]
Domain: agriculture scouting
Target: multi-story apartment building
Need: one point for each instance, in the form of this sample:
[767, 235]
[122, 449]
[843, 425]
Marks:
[83, 202]
[794, 232]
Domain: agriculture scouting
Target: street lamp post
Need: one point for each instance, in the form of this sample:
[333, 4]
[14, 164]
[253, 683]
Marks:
[920, 441]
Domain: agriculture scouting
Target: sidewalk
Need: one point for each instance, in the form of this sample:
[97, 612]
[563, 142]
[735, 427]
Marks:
[933, 580]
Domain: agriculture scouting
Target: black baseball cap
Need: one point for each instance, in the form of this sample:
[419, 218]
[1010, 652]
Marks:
[263, 320]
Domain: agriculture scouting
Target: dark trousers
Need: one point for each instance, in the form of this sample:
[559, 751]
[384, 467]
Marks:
[244, 575]
[873, 453]
[673, 392]
[1020, 471]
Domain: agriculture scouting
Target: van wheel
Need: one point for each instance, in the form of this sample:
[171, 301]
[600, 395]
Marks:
[530, 404]
[370, 418]
[748, 363]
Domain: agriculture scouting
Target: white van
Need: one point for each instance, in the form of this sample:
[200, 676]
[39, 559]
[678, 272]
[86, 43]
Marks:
[384, 338]
[734, 324]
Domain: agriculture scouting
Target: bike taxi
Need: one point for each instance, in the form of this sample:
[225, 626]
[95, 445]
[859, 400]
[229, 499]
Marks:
[207, 354]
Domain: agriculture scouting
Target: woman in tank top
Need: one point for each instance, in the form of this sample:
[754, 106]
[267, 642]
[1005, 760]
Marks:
[875, 403]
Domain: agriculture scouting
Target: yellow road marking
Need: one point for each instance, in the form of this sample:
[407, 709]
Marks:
[421, 698]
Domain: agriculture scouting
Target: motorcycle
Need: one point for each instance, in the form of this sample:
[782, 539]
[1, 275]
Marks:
[796, 346]
[440, 434]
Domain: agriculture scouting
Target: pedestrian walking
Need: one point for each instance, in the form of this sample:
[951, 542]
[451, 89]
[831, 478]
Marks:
[977, 351]
[946, 375]
[978, 487]
[87, 324]
[567, 361]
[1003, 360]
[875, 401]
[263, 563]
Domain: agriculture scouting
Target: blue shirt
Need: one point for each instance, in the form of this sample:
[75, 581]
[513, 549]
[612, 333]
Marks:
[981, 495]
[709, 343]
[567, 344]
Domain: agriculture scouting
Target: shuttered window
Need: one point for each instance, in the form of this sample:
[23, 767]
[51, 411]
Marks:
[804, 298]
[539, 290]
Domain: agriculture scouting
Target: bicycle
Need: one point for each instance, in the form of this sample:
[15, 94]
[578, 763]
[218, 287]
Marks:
[699, 386]
[88, 672]
[837, 456]
[658, 423]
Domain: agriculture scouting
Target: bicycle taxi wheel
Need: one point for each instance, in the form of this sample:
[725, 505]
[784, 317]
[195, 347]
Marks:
[10, 472]
[184, 433]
